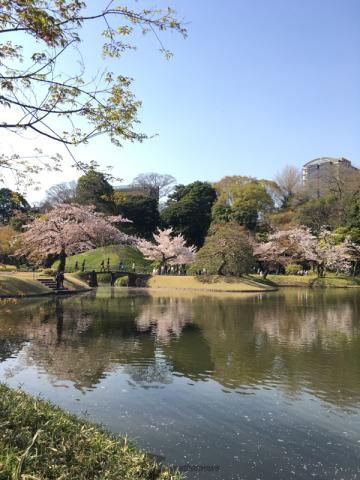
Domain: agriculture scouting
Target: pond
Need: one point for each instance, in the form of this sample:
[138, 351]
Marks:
[262, 386]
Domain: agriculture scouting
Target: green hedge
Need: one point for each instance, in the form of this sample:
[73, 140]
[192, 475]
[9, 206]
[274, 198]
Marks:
[293, 269]
[122, 281]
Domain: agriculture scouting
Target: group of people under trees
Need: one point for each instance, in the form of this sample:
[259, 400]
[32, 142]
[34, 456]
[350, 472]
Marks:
[121, 266]
[83, 265]
[169, 270]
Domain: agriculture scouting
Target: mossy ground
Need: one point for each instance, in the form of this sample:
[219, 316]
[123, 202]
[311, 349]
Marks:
[41, 442]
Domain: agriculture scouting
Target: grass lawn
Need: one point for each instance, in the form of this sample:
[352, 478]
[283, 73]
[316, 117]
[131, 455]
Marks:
[21, 284]
[25, 283]
[116, 253]
[42, 442]
[330, 280]
[7, 268]
[210, 283]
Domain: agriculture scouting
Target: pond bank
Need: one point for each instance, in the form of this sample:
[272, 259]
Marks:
[39, 440]
[26, 284]
[310, 281]
[208, 283]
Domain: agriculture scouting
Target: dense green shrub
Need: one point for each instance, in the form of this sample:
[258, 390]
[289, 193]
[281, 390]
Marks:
[292, 269]
[104, 278]
[227, 251]
[122, 281]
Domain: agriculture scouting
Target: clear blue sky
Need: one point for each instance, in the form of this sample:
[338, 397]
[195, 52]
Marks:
[257, 85]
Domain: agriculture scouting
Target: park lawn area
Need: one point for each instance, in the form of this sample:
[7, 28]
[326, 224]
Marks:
[73, 283]
[42, 442]
[20, 284]
[210, 283]
[23, 284]
[115, 253]
[7, 268]
[330, 280]
[337, 281]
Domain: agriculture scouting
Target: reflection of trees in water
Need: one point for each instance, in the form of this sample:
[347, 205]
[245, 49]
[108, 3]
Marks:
[164, 318]
[181, 346]
[151, 373]
[95, 339]
[294, 339]
[82, 339]
[316, 338]
[239, 359]
[302, 322]
[10, 347]
[68, 340]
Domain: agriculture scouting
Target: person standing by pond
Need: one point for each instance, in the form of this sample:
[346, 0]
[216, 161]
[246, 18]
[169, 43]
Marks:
[102, 266]
[108, 265]
[83, 265]
[57, 281]
[112, 279]
[93, 279]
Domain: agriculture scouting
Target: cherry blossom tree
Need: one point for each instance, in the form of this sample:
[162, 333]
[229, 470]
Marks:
[331, 255]
[272, 253]
[286, 246]
[352, 250]
[168, 248]
[337, 258]
[69, 229]
[300, 245]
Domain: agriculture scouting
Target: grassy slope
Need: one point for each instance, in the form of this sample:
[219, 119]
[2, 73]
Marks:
[24, 284]
[7, 268]
[116, 254]
[219, 284]
[40, 441]
[72, 282]
[20, 284]
[330, 280]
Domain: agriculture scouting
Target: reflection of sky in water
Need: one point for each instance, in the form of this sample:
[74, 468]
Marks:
[264, 386]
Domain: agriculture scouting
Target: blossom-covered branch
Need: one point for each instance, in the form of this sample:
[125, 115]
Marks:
[68, 229]
[168, 248]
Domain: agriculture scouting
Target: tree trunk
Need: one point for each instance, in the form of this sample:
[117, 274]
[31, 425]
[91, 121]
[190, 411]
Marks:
[62, 260]
[320, 270]
[220, 270]
[355, 268]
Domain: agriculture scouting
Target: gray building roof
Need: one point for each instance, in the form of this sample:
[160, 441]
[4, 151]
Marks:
[323, 160]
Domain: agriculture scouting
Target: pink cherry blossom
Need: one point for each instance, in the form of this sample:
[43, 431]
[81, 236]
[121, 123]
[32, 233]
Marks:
[70, 228]
[168, 248]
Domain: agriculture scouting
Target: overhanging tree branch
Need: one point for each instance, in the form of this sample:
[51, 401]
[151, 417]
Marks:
[37, 84]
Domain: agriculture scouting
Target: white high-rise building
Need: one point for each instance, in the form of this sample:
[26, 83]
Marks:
[320, 174]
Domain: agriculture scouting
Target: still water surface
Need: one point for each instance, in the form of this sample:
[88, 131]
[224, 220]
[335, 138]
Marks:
[263, 386]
